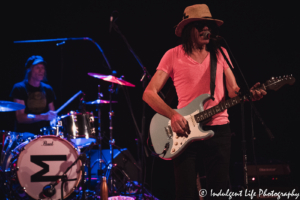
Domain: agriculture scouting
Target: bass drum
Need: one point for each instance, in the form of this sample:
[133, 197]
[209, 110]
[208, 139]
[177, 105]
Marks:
[40, 162]
[11, 141]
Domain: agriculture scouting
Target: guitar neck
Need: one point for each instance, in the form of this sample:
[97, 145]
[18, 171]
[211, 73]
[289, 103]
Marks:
[272, 84]
[218, 108]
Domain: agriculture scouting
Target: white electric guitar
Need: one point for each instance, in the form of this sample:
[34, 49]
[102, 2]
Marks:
[168, 145]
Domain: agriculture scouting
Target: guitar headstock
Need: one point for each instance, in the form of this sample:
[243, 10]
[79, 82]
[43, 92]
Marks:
[276, 83]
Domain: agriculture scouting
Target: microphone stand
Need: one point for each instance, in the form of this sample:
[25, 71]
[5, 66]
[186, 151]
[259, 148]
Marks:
[244, 148]
[65, 39]
[146, 76]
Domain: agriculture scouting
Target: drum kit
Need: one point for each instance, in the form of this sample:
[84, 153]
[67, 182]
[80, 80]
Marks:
[54, 165]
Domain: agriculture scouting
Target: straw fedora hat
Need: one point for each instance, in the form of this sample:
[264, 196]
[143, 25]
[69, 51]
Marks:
[193, 13]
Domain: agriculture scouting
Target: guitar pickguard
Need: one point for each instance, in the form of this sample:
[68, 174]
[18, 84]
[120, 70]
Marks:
[180, 141]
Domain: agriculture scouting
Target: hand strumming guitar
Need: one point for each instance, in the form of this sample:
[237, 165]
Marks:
[179, 125]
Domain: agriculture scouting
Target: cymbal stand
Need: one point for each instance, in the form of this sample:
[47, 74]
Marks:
[141, 133]
[99, 139]
[111, 140]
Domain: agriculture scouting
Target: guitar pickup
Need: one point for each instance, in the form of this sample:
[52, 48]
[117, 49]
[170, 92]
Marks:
[169, 131]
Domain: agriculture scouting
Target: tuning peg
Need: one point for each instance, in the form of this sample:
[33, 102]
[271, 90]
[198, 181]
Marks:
[279, 76]
[272, 78]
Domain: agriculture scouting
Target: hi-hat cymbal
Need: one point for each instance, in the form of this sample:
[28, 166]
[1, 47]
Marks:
[111, 78]
[7, 106]
[100, 101]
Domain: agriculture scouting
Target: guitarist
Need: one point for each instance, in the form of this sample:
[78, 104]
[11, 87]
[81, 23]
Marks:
[189, 66]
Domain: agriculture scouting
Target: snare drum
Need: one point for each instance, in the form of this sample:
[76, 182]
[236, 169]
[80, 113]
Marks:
[40, 162]
[79, 128]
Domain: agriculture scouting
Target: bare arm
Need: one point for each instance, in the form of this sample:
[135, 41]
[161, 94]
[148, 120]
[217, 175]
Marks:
[51, 106]
[151, 97]
[24, 118]
[233, 88]
[231, 84]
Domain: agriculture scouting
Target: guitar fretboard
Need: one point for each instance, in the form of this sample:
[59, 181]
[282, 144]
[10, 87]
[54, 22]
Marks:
[218, 108]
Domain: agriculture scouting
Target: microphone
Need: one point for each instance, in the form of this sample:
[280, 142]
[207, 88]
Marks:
[111, 22]
[209, 35]
[112, 19]
[49, 190]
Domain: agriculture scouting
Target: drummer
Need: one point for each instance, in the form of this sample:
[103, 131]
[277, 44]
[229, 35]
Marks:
[37, 97]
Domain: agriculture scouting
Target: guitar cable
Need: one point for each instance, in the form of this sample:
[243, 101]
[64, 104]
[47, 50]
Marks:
[167, 146]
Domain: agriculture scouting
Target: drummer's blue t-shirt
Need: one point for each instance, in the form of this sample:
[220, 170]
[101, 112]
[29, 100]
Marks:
[36, 101]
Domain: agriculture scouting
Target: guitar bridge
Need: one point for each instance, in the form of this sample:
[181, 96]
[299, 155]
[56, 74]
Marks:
[169, 131]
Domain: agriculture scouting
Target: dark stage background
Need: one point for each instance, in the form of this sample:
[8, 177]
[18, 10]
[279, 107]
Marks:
[264, 38]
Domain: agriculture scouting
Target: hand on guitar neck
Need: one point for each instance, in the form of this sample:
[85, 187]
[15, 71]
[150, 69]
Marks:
[257, 91]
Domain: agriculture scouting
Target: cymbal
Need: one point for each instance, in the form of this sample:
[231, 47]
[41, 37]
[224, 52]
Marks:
[111, 78]
[7, 106]
[100, 101]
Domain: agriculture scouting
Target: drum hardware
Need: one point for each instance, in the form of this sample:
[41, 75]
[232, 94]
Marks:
[100, 171]
[111, 140]
[146, 77]
[100, 161]
[12, 140]
[64, 179]
[2, 144]
[55, 129]
[99, 101]
[97, 161]
[120, 81]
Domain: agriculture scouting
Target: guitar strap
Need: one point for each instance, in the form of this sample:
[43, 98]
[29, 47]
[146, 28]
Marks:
[213, 69]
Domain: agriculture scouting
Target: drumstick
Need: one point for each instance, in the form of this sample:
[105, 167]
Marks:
[69, 101]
